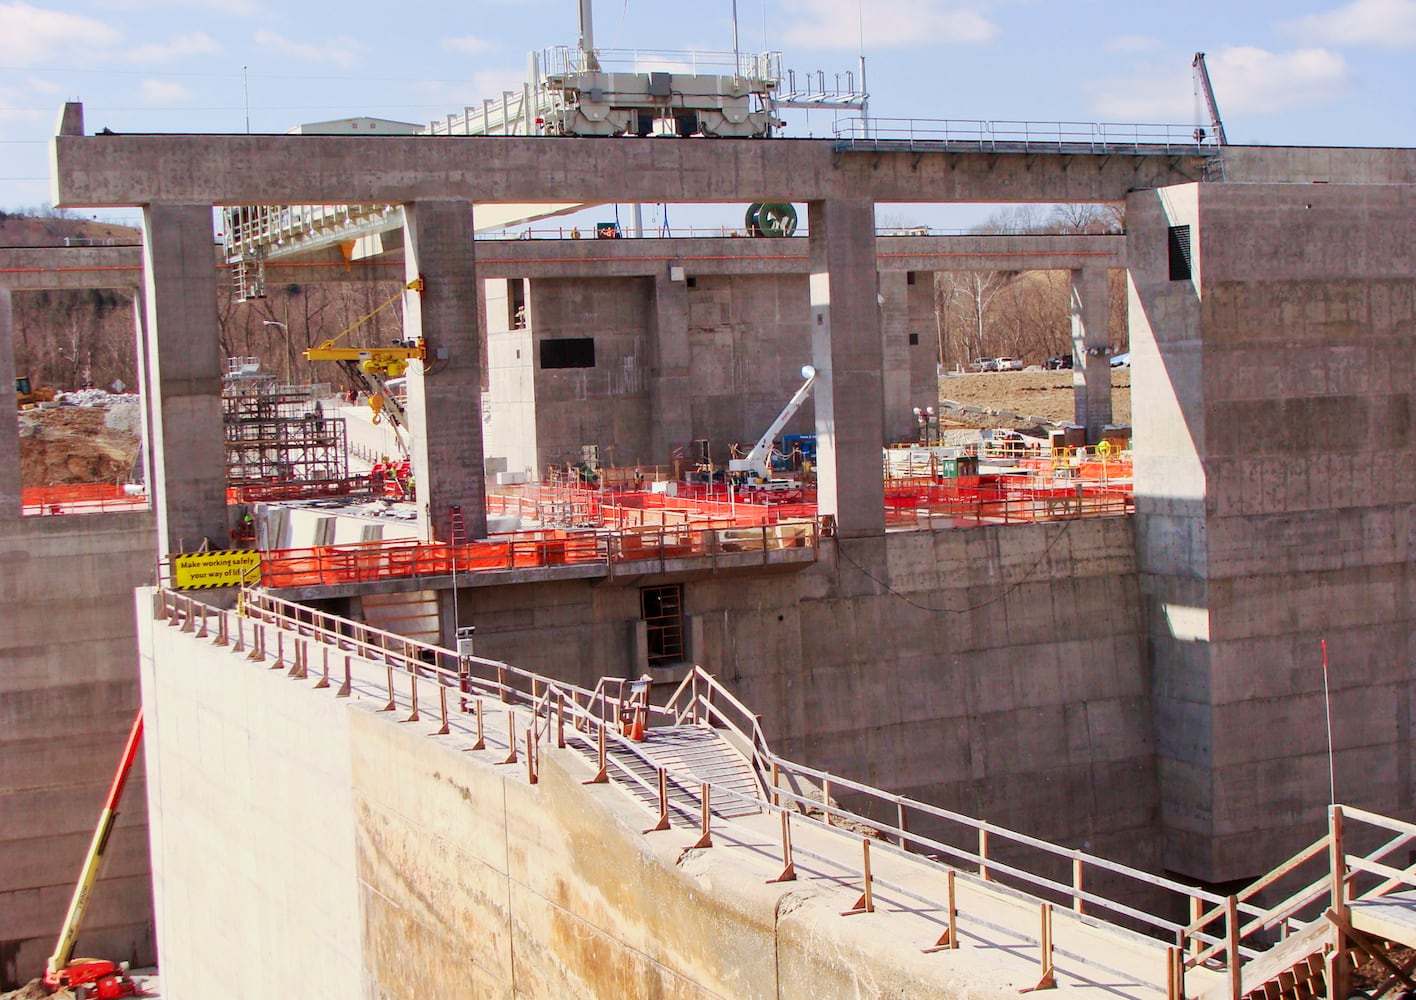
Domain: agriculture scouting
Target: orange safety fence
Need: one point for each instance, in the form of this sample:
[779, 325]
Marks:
[364, 562]
[1004, 501]
[81, 498]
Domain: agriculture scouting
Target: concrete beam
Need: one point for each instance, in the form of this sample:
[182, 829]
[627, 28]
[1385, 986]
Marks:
[312, 169]
[445, 392]
[670, 396]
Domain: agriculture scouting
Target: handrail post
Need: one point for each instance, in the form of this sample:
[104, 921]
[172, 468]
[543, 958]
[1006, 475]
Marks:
[1337, 860]
[1197, 909]
[344, 688]
[866, 903]
[788, 873]
[663, 821]
[1231, 932]
[323, 682]
[413, 685]
[705, 832]
[390, 706]
[900, 822]
[983, 853]
[1077, 866]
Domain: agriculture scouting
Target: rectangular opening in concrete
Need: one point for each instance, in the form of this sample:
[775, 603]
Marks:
[568, 352]
[661, 608]
[1180, 253]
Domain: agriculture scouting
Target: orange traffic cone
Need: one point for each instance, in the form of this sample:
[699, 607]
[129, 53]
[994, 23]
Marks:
[636, 728]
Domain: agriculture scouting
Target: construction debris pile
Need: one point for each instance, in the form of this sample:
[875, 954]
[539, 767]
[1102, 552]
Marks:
[88, 436]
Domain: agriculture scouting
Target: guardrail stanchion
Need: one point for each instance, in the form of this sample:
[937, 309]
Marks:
[238, 643]
[1077, 866]
[602, 771]
[257, 652]
[1197, 909]
[298, 667]
[501, 682]
[983, 853]
[323, 682]
[949, 940]
[444, 729]
[481, 742]
[1231, 934]
[560, 722]
[900, 822]
[866, 903]
[345, 688]
[531, 776]
[663, 821]
[1049, 972]
[826, 800]
[413, 716]
[705, 823]
[1337, 861]
[390, 706]
[788, 873]
[511, 737]
[223, 629]
[279, 663]
[1174, 974]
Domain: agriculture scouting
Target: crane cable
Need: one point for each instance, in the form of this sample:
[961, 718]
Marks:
[415, 285]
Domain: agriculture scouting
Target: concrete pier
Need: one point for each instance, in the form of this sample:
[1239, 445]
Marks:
[1091, 360]
[445, 391]
[183, 374]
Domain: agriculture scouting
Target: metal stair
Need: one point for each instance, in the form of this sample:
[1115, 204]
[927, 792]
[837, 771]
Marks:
[690, 756]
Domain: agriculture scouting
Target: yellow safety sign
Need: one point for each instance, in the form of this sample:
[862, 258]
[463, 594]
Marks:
[201, 570]
[1103, 448]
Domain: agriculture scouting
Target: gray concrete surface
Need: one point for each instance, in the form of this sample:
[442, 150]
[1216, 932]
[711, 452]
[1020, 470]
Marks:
[1091, 342]
[68, 692]
[10, 491]
[444, 392]
[1274, 496]
[183, 370]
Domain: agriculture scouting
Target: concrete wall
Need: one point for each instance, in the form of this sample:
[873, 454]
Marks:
[68, 694]
[344, 853]
[1275, 484]
[1022, 697]
[253, 823]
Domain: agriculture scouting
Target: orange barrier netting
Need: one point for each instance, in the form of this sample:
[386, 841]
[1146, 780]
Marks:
[362, 562]
[81, 498]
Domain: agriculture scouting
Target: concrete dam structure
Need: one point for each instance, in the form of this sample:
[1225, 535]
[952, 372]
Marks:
[1142, 688]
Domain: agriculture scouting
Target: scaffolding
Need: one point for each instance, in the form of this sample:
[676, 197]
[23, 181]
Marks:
[278, 433]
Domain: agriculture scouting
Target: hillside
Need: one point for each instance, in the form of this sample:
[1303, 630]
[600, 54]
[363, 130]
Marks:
[52, 230]
[1032, 393]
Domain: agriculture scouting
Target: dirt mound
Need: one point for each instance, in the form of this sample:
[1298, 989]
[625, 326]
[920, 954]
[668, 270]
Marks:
[1032, 393]
[32, 990]
[67, 445]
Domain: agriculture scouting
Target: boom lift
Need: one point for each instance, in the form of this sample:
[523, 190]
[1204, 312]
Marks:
[105, 979]
[755, 467]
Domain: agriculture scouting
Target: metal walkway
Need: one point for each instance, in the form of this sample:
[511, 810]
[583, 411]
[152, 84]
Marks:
[998, 906]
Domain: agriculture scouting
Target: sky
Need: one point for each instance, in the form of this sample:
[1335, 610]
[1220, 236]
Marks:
[1302, 72]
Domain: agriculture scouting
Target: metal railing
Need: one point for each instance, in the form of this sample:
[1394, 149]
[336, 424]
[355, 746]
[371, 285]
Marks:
[1225, 936]
[367, 562]
[1022, 136]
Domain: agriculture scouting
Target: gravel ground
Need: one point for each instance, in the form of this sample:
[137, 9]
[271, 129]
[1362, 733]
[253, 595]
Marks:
[1033, 393]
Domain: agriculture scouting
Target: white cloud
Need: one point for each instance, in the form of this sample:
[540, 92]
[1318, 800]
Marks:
[489, 83]
[1129, 43]
[179, 47]
[468, 44]
[163, 92]
[838, 24]
[30, 35]
[1246, 80]
[1383, 23]
[340, 50]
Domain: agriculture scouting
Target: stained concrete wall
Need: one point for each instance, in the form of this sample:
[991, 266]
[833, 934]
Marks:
[68, 694]
[343, 853]
[999, 671]
[1275, 484]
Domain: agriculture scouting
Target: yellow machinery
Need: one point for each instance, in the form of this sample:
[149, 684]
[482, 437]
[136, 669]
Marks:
[25, 397]
[372, 368]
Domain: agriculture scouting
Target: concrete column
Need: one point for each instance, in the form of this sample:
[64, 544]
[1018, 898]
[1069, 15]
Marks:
[183, 378]
[900, 398]
[847, 351]
[1091, 365]
[671, 416]
[146, 399]
[10, 495]
[445, 392]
